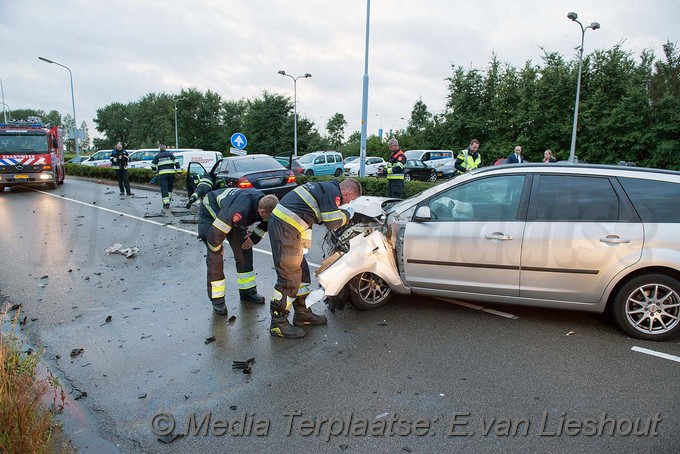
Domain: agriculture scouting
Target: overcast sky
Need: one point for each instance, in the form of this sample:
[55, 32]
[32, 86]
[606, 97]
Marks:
[121, 50]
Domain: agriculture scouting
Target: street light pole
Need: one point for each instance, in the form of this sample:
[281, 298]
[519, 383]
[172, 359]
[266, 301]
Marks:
[176, 135]
[4, 111]
[364, 97]
[594, 26]
[73, 102]
[305, 76]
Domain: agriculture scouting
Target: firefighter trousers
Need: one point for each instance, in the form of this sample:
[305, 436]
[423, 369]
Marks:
[395, 188]
[216, 282]
[123, 181]
[292, 270]
[167, 181]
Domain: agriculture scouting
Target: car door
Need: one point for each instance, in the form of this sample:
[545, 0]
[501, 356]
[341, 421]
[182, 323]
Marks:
[320, 166]
[472, 243]
[581, 231]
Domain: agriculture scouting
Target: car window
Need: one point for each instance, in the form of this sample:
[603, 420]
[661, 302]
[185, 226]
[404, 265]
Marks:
[576, 198]
[655, 201]
[256, 164]
[491, 199]
[320, 160]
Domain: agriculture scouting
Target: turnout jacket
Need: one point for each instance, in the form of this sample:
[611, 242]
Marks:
[395, 165]
[165, 163]
[233, 208]
[313, 203]
[119, 159]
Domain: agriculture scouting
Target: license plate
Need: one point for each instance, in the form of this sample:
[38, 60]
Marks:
[21, 176]
[270, 181]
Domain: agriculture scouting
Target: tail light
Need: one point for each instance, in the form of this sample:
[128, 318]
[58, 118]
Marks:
[243, 183]
[291, 177]
[300, 170]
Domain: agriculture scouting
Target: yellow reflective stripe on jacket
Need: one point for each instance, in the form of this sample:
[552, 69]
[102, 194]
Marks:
[395, 176]
[217, 289]
[214, 248]
[245, 280]
[166, 171]
[309, 200]
[224, 194]
[206, 204]
[330, 216]
[166, 162]
[222, 226]
[259, 232]
[290, 218]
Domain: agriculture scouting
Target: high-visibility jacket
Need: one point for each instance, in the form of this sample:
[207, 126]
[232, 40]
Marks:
[467, 160]
[165, 163]
[395, 166]
[119, 159]
[231, 208]
[313, 203]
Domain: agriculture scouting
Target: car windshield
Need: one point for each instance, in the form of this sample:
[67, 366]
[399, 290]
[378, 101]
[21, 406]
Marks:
[413, 154]
[307, 159]
[100, 155]
[23, 143]
[258, 164]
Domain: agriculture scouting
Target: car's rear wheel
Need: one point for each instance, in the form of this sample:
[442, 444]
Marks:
[368, 291]
[648, 307]
[407, 176]
[433, 177]
[338, 172]
[309, 173]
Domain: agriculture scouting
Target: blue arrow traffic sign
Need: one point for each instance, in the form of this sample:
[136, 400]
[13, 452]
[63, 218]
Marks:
[238, 140]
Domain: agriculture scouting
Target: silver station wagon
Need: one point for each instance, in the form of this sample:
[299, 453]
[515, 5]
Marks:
[580, 237]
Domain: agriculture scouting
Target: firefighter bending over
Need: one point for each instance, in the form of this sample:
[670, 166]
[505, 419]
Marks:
[290, 229]
[227, 213]
[166, 166]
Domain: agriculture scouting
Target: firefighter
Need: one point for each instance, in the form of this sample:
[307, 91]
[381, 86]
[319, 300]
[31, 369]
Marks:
[166, 166]
[468, 159]
[204, 185]
[226, 214]
[395, 170]
[290, 233]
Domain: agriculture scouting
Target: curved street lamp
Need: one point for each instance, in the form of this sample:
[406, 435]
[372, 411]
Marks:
[176, 135]
[305, 76]
[594, 26]
[73, 101]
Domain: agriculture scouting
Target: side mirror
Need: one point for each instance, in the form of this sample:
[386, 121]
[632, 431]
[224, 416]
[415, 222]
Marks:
[423, 213]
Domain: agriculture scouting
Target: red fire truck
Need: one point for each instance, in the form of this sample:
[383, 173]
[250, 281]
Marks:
[30, 154]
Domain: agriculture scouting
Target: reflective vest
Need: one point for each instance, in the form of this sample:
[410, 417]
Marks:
[395, 166]
[232, 207]
[470, 162]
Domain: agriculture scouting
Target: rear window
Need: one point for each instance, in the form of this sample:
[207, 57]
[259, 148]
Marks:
[258, 164]
[655, 201]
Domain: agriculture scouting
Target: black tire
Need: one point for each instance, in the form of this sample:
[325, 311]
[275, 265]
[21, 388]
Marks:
[309, 173]
[433, 177]
[338, 172]
[54, 184]
[407, 176]
[368, 291]
[648, 307]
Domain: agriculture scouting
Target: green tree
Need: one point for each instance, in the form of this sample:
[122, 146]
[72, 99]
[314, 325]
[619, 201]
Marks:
[336, 129]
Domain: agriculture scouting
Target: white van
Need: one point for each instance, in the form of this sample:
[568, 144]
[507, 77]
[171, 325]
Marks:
[98, 159]
[141, 159]
[433, 158]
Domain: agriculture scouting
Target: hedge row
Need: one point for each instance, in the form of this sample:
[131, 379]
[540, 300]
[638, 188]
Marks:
[370, 185]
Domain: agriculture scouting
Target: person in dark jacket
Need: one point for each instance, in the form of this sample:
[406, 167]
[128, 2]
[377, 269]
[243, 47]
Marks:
[166, 166]
[204, 185]
[119, 161]
[290, 233]
[227, 214]
[516, 156]
[395, 170]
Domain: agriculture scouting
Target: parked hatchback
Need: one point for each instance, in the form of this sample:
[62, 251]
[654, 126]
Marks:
[322, 163]
[582, 237]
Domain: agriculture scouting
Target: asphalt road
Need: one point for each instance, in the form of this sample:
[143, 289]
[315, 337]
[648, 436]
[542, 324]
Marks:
[419, 375]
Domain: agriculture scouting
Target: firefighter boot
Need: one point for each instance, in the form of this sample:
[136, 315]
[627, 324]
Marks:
[219, 307]
[279, 325]
[251, 296]
[304, 315]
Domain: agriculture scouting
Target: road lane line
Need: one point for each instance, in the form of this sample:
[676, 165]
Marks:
[657, 354]
[131, 216]
[480, 308]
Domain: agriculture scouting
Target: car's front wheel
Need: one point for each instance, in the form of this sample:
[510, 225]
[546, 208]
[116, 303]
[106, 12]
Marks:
[648, 307]
[407, 176]
[338, 172]
[368, 291]
[433, 177]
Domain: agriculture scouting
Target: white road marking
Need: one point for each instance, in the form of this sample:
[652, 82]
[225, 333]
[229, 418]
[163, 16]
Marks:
[657, 354]
[480, 308]
[162, 224]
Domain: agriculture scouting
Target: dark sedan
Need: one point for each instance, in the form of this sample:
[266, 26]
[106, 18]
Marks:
[257, 171]
[415, 169]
